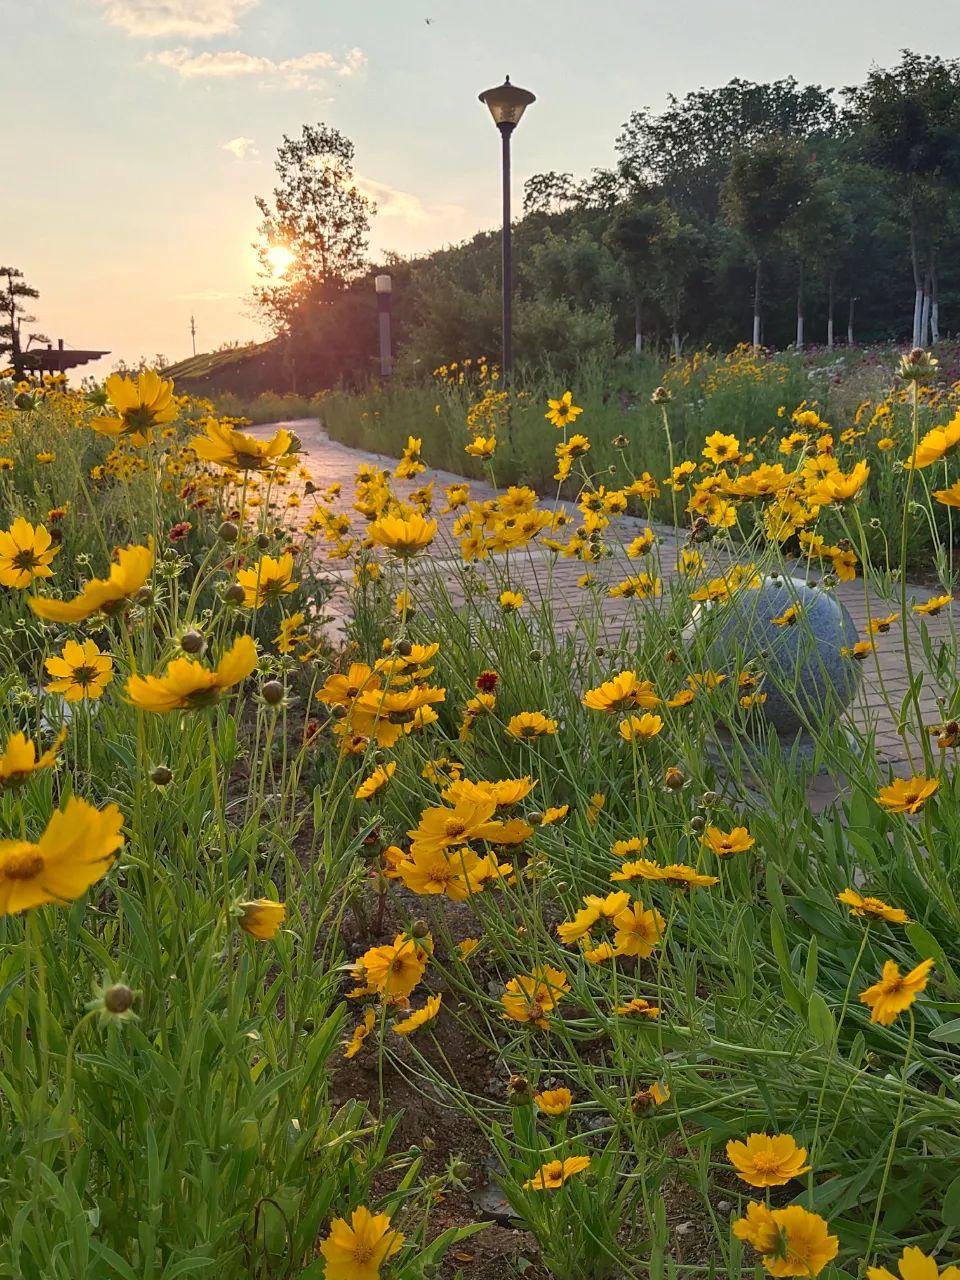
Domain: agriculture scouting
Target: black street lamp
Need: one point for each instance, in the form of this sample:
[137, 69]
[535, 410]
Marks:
[507, 104]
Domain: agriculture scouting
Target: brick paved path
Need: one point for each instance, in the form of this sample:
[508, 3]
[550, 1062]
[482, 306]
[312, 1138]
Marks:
[537, 573]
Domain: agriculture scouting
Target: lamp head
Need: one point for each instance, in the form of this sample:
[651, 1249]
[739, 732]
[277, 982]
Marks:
[507, 103]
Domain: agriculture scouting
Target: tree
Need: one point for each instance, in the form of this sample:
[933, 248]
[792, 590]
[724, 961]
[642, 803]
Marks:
[678, 252]
[549, 192]
[687, 149]
[319, 216]
[632, 235]
[13, 290]
[907, 120]
[762, 193]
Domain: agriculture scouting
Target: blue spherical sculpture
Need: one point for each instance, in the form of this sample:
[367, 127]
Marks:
[791, 634]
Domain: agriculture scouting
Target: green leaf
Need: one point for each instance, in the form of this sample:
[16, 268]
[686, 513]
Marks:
[950, 1205]
[820, 1020]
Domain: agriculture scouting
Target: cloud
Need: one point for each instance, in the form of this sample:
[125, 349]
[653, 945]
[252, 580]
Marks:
[405, 206]
[296, 73]
[241, 148]
[192, 18]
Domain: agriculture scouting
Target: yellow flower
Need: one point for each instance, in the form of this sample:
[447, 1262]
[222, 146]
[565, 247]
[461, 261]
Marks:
[187, 685]
[360, 1032]
[555, 1173]
[725, 843]
[872, 908]
[75, 850]
[553, 1102]
[458, 875]
[530, 724]
[938, 443]
[638, 1008]
[404, 537]
[623, 690]
[789, 616]
[895, 992]
[511, 601]
[419, 1018]
[228, 447]
[639, 587]
[101, 595]
[907, 795]
[933, 606]
[638, 930]
[356, 1250]
[654, 1095]
[790, 1241]
[837, 487]
[25, 553]
[531, 998]
[481, 447]
[677, 874]
[380, 776]
[395, 969]
[950, 498]
[141, 404]
[467, 947]
[267, 580]
[914, 1264]
[290, 635]
[19, 759]
[880, 626]
[563, 411]
[262, 917]
[719, 448]
[767, 1160]
[81, 671]
[640, 728]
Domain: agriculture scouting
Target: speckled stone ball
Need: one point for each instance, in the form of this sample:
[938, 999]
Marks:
[804, 676]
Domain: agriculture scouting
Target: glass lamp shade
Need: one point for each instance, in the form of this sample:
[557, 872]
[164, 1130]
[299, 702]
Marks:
[507, 103]
[383, 284]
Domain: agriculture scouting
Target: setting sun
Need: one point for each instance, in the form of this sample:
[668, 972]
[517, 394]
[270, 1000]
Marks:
[280, 259]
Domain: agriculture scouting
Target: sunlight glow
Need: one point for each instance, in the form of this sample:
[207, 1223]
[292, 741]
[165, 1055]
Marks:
[280, 259]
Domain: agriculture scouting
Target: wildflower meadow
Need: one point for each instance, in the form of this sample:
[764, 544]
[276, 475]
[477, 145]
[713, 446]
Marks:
[394, 882]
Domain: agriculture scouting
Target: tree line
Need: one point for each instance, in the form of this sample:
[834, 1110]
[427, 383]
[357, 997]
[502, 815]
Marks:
[775, 213]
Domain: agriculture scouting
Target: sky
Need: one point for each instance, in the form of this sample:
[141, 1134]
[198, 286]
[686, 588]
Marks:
[138, 132]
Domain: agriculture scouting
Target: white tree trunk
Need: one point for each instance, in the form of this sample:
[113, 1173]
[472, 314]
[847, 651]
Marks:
[918, 316]
[935, 321]
[925, 320]
[830, 333]
[637, 329]
[799, 330]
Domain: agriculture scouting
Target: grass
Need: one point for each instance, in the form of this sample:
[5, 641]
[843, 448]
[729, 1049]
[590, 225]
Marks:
[176, 1094]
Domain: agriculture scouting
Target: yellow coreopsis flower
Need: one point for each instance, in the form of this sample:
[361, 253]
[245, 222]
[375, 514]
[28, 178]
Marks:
[511, 601]
[837, 487]
[101, 595]
[907, 795]
[930, 608]
[677, 875]
[481, 447]
[25, 553]
[376, 780]
[914, 1264]
[141, 403]
[766, 1160]
[720, 448]
[20, 758]
[532, 997]
[553, 1102]
[395, 969]
[269, 579]
[75, 850]
[262, 917]
[555, 1173]
[404, 537]
[80, 671]
[638, 930]
[623, 690]
[419, 1018]
[790, 1241]
[527, 725]
[871, 908]
[895, 992]
[950, 498]
[725, 843]
[228, 447]
[356, 1250]
[640, 728]
[189, 686]
[938, 443]
[562, 411]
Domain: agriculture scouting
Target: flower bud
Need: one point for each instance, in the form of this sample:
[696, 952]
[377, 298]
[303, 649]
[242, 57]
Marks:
[234, 594]
[228, 531]
[420, 929]
[272, 692]
[118, 998]
[404, 648]
[192, 641]
[144, 596]
[161, 776]
[263, 542]
[660, 396]
[518, 1091]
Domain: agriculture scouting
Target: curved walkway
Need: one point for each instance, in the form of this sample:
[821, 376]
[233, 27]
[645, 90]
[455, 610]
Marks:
[330, 462]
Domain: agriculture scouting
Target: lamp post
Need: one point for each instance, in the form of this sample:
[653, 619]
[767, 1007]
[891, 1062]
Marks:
[384, 287]
[507, 103]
